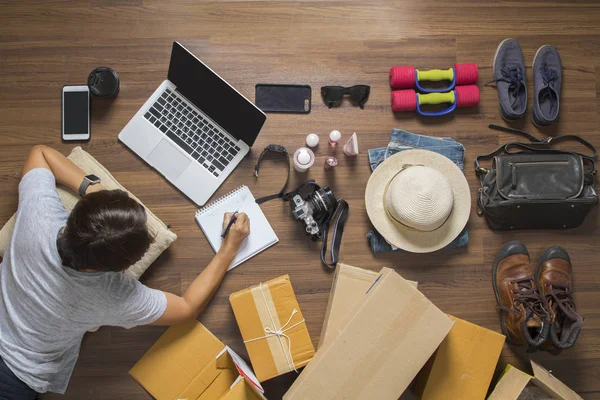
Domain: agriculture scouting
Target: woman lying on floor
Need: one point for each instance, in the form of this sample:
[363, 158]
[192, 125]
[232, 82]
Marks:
[62, 275]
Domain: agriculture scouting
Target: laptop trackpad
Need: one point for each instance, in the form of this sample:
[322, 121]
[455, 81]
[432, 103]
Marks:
[168, 160]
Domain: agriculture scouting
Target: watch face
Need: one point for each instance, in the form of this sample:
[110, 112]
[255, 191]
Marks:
[93, 178]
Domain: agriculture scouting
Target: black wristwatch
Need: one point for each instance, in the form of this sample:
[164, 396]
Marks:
[275, 148]
[278, 149]
[87, 181]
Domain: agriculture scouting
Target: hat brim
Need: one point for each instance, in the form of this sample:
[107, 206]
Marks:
[410, 239]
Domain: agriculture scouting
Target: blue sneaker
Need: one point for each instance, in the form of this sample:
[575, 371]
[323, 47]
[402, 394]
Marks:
[547, 81]
[509, 76]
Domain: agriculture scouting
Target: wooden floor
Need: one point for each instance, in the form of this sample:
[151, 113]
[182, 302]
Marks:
[47, 44]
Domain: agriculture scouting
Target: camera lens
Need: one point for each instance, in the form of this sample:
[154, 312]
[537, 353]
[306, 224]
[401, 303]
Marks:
[323, 200]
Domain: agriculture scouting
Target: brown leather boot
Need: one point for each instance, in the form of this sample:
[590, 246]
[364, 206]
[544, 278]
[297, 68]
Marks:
[554, 277]
[523, 311]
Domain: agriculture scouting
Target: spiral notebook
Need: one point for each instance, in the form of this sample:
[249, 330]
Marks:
[210, 219]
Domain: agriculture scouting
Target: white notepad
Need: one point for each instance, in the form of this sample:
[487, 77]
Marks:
[210, 219]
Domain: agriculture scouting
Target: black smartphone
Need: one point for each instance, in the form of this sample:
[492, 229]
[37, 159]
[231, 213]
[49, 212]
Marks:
[283, 98]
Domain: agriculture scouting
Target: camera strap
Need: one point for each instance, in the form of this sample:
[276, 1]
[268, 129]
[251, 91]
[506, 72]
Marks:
[337, 221]
[278, 149]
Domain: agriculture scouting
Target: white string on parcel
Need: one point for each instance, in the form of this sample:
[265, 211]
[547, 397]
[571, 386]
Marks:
[279, 332]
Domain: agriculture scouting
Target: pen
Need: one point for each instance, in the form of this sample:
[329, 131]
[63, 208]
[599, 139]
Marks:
[231, 222]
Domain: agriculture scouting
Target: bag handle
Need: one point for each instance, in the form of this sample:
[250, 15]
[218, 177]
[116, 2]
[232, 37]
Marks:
[528, 135]
[548, 142]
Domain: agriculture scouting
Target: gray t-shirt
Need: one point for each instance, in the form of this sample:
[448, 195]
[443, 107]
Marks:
[46, 308]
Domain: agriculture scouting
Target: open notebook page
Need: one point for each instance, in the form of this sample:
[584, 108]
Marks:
[210, 219]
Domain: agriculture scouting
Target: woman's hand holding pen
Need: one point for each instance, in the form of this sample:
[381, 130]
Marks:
[238, 231]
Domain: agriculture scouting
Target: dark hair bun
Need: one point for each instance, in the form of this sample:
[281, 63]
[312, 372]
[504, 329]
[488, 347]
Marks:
[106, 231]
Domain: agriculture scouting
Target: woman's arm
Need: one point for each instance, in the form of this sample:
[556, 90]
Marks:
[197, 296]
[65, 172]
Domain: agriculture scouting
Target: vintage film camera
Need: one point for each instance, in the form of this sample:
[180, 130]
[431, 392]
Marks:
[315, 210]
[318, 209]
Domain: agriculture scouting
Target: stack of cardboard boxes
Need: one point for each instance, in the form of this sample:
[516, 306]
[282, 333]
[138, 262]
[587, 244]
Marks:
[380, 334]
[378, 347]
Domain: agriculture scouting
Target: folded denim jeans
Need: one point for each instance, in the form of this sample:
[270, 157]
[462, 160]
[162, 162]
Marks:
[401, 140]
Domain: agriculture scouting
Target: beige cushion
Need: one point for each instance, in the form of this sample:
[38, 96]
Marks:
[163, 237]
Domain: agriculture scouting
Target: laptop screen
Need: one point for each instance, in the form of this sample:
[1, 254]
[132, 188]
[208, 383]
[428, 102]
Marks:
[215, 97]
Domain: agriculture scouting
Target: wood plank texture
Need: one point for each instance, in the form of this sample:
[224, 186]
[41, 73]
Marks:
[47, 44]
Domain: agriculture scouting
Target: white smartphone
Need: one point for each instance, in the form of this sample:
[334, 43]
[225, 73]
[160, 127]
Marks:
[76, 113]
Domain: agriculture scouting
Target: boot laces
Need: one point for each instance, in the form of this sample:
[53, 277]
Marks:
[529, 297]
[562, 295]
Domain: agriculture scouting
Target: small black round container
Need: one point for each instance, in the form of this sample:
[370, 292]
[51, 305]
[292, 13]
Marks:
[104, 82]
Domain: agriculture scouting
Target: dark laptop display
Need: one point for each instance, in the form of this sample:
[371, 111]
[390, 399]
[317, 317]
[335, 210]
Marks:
[214, 97]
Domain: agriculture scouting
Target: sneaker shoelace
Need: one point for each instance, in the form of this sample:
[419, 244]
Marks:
[528, 296]
[512, 76]
[548, 76]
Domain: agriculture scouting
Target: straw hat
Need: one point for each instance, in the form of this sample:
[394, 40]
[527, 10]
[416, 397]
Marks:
[418, 200]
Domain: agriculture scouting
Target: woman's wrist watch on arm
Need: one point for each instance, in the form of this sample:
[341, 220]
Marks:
[87, 181]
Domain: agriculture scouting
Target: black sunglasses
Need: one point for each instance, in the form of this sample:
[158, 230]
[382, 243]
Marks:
[335, 94]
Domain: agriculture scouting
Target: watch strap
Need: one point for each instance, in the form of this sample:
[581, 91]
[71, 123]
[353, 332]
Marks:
[85, 183]
[275, 148]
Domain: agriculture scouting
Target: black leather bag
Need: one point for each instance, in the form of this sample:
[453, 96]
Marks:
[533, 186]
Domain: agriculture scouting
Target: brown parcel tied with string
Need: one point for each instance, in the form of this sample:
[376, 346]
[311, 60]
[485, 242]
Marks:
[272, 327]
[381, 348]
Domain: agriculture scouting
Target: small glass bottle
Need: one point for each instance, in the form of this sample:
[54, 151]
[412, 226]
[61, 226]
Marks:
[312, 140]
[334, 137]
[330, 162]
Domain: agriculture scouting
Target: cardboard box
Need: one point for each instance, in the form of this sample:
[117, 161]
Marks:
[189, 362]
[350, 284]
[463, 366]
[513, 382]
[381, 348]
[240, 390]
[272, 327]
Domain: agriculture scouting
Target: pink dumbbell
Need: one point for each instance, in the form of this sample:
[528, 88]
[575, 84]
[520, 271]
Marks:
[409, 100]
[405, 77]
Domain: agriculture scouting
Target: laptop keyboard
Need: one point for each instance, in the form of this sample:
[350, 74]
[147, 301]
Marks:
[199, 137]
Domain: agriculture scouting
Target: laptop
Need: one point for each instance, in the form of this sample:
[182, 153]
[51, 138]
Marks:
[195, 128]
